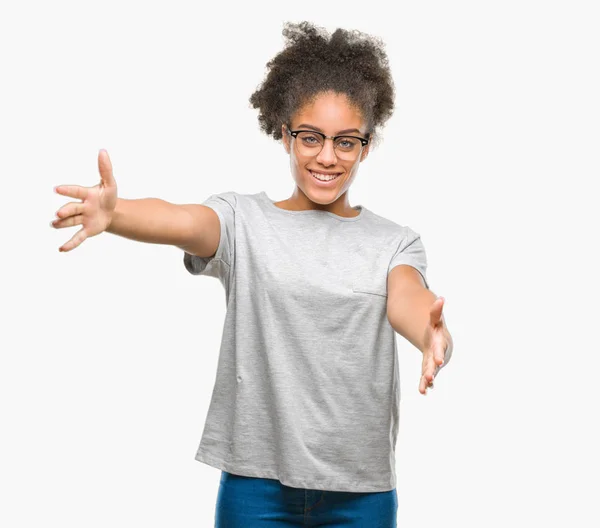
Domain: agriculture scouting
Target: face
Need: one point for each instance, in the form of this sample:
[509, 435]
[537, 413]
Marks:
[333, 115]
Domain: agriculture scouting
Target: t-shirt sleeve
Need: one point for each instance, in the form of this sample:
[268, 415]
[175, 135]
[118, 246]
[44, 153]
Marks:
[411, 251]
[221, 264]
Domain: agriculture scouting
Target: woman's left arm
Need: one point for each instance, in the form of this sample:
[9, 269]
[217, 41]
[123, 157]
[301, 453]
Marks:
[416, 314]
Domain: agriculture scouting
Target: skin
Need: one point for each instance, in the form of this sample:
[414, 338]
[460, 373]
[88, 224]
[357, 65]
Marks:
[437, 344]
[330, 113]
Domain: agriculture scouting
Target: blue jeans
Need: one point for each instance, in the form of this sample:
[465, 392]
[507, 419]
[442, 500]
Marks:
[250, 502]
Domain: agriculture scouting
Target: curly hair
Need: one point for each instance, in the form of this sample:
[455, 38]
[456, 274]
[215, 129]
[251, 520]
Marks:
[313, 62]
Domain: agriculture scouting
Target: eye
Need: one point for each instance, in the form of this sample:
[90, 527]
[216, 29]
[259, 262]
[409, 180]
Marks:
[347, 143]
[310, 139]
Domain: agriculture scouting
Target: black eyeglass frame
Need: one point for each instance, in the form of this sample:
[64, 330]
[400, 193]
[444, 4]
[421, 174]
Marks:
[364, 142]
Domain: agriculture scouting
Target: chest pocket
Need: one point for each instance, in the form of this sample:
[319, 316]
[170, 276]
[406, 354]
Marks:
[371, 286]
[369, 271]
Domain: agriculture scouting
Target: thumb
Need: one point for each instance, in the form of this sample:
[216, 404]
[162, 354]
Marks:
[435, 312]
[105, 168]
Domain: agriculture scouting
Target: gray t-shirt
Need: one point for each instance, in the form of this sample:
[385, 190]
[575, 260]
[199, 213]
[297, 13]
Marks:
[307, 385]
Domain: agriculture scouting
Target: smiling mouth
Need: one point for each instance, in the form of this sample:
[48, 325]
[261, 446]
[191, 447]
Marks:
[324, 177]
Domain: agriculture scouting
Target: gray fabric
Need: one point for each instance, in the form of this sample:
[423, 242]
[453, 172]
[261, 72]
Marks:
[307, 385]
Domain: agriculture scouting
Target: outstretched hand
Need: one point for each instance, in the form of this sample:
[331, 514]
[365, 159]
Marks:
[95, 210]
[437, 346]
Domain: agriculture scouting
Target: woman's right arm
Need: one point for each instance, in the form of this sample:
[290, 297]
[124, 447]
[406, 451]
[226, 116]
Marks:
[194, 228]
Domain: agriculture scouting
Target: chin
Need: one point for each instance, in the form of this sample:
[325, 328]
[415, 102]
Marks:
[322, 196]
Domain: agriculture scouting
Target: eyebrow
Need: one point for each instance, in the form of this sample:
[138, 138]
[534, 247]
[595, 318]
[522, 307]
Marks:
[305, 125]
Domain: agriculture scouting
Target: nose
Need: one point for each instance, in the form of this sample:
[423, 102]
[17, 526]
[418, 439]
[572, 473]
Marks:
[327, 155]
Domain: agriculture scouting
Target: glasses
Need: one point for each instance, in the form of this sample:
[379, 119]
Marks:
[310, 143]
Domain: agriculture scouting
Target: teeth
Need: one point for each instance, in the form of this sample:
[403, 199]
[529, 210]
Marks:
[324, 177]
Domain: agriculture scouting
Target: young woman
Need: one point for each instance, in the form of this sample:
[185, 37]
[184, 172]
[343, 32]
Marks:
[303, 418]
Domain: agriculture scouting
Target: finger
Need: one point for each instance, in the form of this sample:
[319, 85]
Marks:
[70, 209]
[449, 346]
[67, 222]
[74, 191]
[429, 380]
[105, 168]
[435, 312]
[440, 351]
[428, 371]
[424, 384]
[77, 239]
[430, 375]
[439, 344]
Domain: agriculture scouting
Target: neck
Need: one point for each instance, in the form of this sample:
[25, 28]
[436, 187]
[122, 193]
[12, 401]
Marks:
[300, 202]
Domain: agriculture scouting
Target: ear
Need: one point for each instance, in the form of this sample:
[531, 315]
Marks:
[285, 137]
[365, 152]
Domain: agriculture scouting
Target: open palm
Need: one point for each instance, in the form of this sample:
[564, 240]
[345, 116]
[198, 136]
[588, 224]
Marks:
[437, 346]
[95, 210]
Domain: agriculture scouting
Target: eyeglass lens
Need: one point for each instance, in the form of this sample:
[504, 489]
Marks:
[310, 144]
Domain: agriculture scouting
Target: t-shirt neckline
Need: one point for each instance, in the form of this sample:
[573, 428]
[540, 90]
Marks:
[317, 212]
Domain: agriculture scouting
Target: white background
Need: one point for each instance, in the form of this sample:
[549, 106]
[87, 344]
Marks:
[109, 352]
